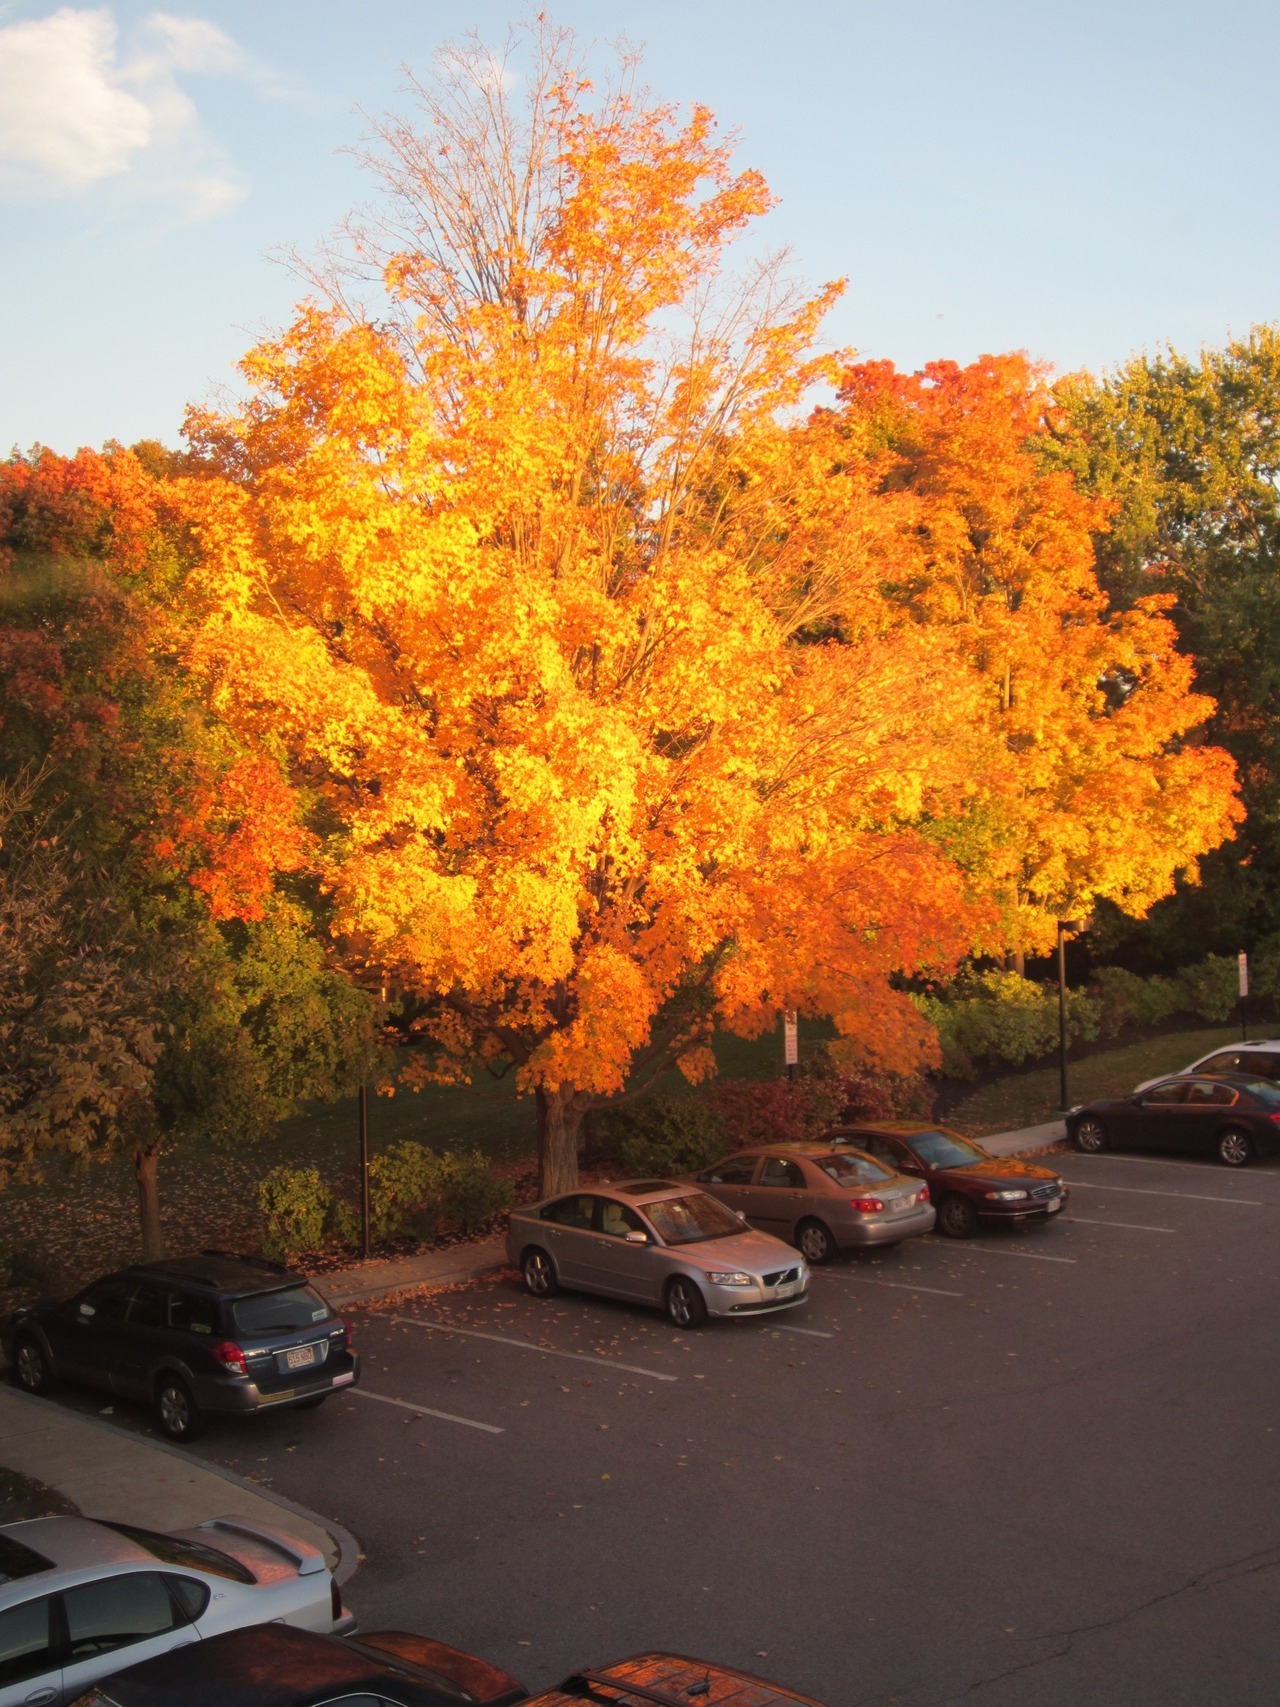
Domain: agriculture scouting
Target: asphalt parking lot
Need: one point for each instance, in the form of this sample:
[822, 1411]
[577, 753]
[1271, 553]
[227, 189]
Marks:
[1037, 1467]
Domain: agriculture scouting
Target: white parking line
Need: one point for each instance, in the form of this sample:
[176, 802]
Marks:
[423, 1410]
[1031, 1256]
[528, 1345]
[1157, 1162]
[895, 1285]
[1129, 1226]
[813, 1333]
[1151, 1191]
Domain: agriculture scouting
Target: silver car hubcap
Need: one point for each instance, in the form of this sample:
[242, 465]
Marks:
[1089, 1135]
[680, 1305]
[30, 1366]
[813, 1242]
[173, 1411]
[535, 1272]
[1234, 1148]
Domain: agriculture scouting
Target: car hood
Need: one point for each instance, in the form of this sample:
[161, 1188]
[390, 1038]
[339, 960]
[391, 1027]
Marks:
[758, 1253]
[999, 1170]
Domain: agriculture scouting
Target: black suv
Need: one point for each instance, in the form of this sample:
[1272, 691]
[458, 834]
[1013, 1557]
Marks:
[191, 1336]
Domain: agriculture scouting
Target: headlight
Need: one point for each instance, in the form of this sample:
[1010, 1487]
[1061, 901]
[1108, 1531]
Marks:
[730, 1277]
[1007, 1196]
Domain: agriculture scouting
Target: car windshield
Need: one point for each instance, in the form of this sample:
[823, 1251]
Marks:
[853, 1170]
[189, 1555]
[285, 1312]
[944, 1149]
[18, 1560]
[687, 1220]
[1266, 1090]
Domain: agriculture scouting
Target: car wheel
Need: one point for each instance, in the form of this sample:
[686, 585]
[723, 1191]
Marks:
[1235, 1148]
[30, 1365]
[684, 1303]
[957, 1217]
[539, 1273]
[176, 1411]
[815, 1242]
[1090, 1135]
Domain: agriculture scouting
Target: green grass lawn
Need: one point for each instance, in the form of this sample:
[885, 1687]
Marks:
[1029, 1097]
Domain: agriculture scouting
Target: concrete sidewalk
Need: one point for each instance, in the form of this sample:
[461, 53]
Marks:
[111, 1474]
[1025, 1139]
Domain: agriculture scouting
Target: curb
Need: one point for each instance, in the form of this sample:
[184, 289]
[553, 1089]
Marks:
[350, 1555]
[432, 1283]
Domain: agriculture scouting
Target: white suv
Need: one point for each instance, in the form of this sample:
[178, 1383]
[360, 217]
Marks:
[1258, 1060]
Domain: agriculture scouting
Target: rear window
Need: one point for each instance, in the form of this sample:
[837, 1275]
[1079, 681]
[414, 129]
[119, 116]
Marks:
[18, 1560]
[1266, 1090]
[853, 1170]
[285, 1312]
[190, 1555]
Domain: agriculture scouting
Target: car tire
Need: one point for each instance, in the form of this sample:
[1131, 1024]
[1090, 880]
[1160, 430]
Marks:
[684, 1303]
[1090, 1136]
[31, 1369]
[957, 1218]
[539, 1273]
[815, 1243]
[1235, 1148]
[177, 1415]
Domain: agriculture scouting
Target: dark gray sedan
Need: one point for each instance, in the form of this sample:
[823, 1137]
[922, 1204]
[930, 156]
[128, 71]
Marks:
[655, 1242]
[821, 1197]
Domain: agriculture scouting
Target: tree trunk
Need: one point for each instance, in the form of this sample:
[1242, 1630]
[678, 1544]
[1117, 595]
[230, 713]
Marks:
[559, 1117]
[146, 1169]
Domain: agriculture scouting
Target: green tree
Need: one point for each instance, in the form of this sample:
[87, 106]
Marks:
[1186, 454]
[160, 983]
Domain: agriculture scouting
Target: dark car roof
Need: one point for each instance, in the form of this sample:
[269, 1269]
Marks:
[894, 1128]
[220, 1272]
[267, 1665]
[667, 1680]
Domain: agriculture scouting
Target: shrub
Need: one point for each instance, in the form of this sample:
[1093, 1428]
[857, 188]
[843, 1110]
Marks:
[1000, 1016]
[404, 1187]
[471, 1193]
[665, 1132]
[1126, 999]
[295, 1205]
[1210, 989]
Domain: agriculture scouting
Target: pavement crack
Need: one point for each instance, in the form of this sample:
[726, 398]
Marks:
[1251, 1564]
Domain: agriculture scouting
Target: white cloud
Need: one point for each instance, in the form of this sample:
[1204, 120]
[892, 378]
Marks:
[73, 112]
[64, 118]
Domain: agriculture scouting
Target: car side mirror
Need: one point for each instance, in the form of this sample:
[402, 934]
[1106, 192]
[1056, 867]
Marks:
[635, 1238]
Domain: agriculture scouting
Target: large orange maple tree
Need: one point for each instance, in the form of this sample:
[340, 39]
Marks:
[610, 733]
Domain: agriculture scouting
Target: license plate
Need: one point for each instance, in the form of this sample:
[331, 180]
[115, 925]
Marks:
[300, 1357]
[786, 1289]
[904, 1205]
[1053, 1204]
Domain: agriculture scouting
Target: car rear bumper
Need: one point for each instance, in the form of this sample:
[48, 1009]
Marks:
[885, 1230]
[244, 1398]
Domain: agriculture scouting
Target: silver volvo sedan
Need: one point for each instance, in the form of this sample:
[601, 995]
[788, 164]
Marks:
[658, 1243]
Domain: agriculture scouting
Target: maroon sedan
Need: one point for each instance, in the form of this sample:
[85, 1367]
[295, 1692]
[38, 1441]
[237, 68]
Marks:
[968, 1186]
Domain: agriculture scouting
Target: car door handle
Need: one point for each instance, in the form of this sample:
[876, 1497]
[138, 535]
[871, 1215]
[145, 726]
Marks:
[40, 1698]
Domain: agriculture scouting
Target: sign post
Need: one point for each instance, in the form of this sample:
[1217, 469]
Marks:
[1242, 961]
[790, 1041]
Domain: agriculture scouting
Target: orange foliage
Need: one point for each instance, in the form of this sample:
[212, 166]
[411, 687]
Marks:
[1088, 777]
[525, 581]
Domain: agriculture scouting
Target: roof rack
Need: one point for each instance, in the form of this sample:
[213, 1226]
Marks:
[239, 1256]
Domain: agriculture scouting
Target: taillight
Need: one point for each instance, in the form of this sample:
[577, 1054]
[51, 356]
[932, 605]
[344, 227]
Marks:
[1275, 1117]
[867, 1205]
[335, 1600]
[924, 1193]
[230, 1356]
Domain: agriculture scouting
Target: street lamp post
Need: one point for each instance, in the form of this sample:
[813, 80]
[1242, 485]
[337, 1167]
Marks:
[364, 1169]
[1065, 928]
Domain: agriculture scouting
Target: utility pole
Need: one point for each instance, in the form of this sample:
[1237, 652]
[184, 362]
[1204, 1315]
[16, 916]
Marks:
[1065, 927]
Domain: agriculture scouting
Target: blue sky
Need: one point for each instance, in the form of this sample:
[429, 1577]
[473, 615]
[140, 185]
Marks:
[1077, 180]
